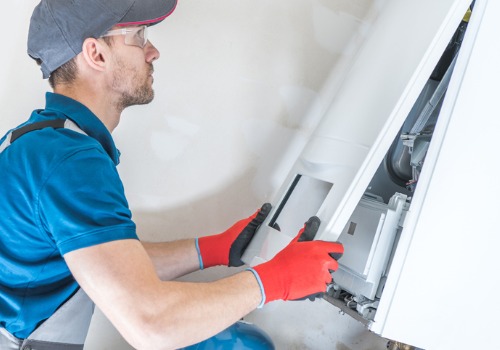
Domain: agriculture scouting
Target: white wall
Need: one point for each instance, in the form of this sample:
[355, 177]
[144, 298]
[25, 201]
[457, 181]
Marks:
[239, 87]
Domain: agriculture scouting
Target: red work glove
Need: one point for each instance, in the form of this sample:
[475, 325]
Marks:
[301, 269]
[227, 247]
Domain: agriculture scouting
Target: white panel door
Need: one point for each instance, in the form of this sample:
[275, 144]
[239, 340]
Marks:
[442, 292]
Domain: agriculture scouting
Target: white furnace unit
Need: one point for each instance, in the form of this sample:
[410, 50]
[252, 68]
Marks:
[402, 170]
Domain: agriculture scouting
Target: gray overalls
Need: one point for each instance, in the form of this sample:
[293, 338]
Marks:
[67, 328]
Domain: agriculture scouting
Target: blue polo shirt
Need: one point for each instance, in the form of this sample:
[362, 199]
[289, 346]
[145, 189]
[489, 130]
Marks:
[59, 191]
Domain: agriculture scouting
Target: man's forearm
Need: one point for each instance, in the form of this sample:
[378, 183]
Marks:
[207, 307]
[173, 259]
[120, 278]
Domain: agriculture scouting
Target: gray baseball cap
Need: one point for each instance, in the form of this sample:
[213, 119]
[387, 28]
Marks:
[58, 28]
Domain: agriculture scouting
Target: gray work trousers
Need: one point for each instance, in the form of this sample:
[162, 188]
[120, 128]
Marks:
[66, 329]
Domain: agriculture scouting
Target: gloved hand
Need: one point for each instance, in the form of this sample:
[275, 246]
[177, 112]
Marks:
[301, 269]
[227, 247]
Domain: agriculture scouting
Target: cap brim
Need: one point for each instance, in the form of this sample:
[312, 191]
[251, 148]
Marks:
[148, 12]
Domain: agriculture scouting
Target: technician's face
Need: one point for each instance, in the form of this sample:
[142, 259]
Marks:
[134, 81]
[133, 71]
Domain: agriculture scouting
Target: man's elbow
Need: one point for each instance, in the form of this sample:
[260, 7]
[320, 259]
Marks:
[148, 332]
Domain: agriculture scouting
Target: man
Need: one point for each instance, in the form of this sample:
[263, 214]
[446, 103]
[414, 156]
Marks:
[67, 239]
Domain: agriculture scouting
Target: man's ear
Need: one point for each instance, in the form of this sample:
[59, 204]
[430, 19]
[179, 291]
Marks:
[95, 54]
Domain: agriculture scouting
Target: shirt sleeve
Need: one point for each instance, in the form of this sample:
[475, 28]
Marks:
[82, 202]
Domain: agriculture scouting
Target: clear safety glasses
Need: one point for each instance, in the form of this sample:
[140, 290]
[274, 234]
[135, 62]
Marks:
[134, 36]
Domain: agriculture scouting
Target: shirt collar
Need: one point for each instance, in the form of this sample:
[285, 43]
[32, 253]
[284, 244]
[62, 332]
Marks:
[85, 119]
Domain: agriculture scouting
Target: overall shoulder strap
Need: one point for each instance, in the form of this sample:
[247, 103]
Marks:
[55, 123]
